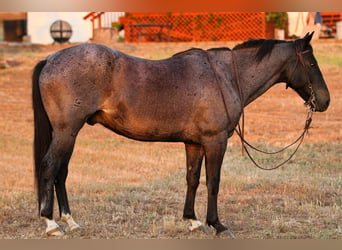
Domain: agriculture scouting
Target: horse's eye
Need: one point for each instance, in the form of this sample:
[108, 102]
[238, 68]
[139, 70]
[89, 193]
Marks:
[312, 64]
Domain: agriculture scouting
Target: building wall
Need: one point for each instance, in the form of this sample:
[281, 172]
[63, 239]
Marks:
[109, 17]
[297, 23]
[38, 26]
[16, 26]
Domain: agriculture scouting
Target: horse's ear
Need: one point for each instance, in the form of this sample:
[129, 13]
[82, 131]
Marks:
[307, 38]
[305, 41]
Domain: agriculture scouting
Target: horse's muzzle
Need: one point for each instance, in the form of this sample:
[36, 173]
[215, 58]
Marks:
[320, 103]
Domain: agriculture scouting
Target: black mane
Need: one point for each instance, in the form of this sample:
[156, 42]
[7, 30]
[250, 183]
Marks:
[265, 46]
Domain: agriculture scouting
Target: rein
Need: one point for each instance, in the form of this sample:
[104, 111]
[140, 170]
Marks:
[240, 129]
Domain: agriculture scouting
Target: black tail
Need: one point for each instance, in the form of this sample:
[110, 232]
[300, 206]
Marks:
[42, 126]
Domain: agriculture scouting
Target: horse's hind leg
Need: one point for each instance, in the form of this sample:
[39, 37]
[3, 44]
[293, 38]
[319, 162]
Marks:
[53, 163]
[194, 157]
[62, 197]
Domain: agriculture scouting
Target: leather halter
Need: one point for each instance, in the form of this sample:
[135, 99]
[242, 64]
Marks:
[312, 100]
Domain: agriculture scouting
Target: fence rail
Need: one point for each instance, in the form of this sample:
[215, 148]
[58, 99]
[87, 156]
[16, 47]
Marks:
[204, 26]
[330, 19]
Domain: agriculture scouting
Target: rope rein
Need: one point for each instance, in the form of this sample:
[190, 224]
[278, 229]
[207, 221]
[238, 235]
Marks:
[299, 139]
[240, 129]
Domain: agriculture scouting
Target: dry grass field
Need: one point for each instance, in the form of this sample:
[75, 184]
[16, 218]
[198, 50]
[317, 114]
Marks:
[120, 188]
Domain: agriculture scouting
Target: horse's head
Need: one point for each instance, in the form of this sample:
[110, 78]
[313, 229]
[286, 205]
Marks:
[305, 77]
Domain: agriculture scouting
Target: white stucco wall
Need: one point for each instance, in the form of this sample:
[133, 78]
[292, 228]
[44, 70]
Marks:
[297, 23]
[38, 26]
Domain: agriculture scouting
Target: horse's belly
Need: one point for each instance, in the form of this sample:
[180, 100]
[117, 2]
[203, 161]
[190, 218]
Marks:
[146, 129]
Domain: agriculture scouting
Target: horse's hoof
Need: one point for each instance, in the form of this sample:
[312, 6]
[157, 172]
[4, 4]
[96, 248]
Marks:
[73, 227]
[54, 232]
[204, 229]
[71, 224]
[52, 228]
[226, 234]
[197, 225]
[222, 231]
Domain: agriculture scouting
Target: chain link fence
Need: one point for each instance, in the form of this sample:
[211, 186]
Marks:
[194, 27]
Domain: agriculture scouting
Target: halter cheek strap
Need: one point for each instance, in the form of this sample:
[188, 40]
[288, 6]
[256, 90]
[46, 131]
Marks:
[298, 59]
[312, 100]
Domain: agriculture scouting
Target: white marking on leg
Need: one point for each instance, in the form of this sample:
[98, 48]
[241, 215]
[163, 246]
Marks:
[52, 228]
[195, 224]
[67, 218]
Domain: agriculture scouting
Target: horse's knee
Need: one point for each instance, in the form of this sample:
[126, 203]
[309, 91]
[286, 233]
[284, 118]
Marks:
[192, 181]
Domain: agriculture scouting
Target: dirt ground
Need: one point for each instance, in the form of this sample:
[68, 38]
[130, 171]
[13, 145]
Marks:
[274, 119]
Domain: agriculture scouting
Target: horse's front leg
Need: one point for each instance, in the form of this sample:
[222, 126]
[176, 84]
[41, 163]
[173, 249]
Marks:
[194, 158]
[214, 153]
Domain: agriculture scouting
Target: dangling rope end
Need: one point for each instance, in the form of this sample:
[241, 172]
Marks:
[308, 119]
[307, 123]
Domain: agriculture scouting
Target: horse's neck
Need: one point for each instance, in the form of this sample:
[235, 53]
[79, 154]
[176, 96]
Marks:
[256, 78]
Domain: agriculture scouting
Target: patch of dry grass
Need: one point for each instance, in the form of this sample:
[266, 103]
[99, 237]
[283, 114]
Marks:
[301, 200]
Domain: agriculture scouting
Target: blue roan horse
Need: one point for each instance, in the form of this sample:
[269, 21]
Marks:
[195, 97]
